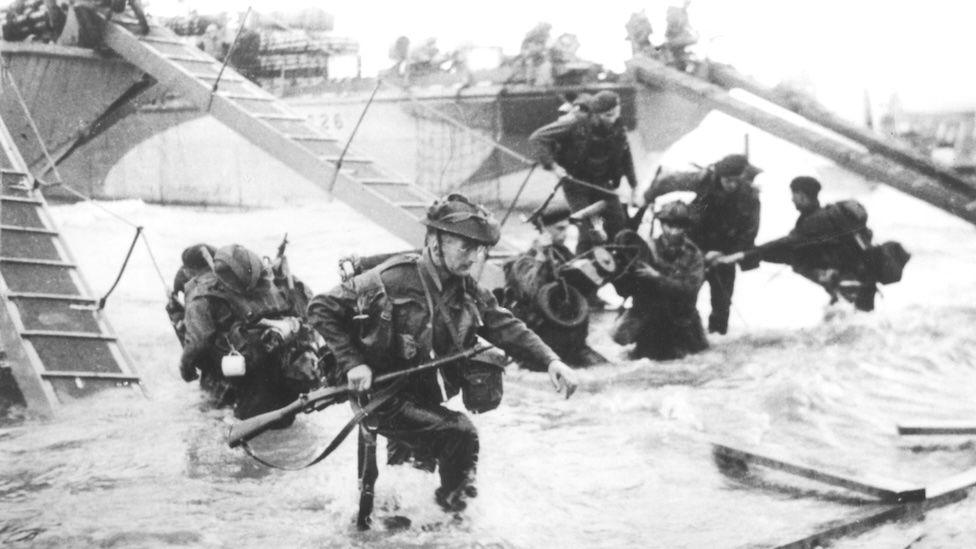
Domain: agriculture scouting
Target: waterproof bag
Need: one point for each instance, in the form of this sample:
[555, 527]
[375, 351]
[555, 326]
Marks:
[888, 261]
[481, 385]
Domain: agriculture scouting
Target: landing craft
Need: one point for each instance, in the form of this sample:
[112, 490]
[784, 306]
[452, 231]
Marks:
[45, 302]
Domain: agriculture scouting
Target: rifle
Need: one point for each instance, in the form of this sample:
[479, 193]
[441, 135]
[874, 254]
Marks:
[320, 399]
[283, 267]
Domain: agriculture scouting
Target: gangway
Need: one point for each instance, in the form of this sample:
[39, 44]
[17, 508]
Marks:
[957, 198]
[392, 202]
[805, 106]
[58, 345]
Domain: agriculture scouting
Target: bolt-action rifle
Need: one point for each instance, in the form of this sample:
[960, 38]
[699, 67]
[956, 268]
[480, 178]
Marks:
[320, 399]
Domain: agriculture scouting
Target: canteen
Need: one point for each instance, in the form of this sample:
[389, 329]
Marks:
[232, 364]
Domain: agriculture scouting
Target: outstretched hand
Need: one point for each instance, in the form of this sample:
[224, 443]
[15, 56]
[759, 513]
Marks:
[563, 377]
[729, 259]
[188, 372]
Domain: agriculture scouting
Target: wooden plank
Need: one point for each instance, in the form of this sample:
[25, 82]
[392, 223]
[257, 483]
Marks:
[382, 182]
[886, 489]
[290, 117]
[20, 199]
[161, 40]
[242, 97]
[189, 59]
[34, 230]
[938, 494]
[56, 297]
[224, 78]
[349, 160]
[67, 335]
[938, 428]
[91, 375]
[850, 526]
[41, 262]
[953, 486]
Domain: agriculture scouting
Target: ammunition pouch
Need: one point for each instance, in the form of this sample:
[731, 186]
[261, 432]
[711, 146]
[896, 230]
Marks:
[482, 385]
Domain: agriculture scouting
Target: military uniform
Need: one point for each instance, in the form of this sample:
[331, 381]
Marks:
[414, 417]
[831, 238]
[218, 319]
[594, 154]
[663, 320]
[524, 278]
[725, 221]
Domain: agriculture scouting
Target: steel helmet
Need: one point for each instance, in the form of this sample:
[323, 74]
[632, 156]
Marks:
[457, 215]
[238, 268]
[675, 213]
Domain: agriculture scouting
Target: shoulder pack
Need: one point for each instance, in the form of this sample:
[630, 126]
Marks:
[374, 322]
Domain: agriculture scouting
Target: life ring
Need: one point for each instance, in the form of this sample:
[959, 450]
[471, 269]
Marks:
[604, 262]
[562, 305]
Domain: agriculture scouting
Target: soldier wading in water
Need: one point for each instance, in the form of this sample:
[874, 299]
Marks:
[412, 308]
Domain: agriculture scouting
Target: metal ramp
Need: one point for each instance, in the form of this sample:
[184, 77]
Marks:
[957, 197]
[57, 345]
[727, 77]
[392, 202]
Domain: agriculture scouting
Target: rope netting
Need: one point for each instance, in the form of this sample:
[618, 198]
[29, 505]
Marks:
[454, 158]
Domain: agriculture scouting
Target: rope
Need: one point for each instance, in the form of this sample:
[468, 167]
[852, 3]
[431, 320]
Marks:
[511, 206]
[352, 135]
[125, 263]
[230, 52]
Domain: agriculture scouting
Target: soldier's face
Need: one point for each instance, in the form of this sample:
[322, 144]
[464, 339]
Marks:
[557, 231]
[607, 118]
[672, 233]
[802, 201]
[730, 183]
[461, 254]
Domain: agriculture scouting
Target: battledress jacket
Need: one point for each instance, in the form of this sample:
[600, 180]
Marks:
[394, 292]
[726, 222]
[600, 156]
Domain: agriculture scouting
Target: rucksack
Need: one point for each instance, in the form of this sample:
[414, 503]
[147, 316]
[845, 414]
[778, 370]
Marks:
[887, 261]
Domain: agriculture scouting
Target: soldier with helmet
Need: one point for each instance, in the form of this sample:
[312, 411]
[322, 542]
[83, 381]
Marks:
[412, 308]
[237, 310]
[663, 277]
[725, 211]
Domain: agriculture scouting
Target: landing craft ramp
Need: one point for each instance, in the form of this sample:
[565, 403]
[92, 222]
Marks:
[865, 157]
[58, 345]
[393, 203]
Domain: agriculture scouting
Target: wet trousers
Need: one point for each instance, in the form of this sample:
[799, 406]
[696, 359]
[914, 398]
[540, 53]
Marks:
[659, 335]
[721, 283]
[614, 216]
[430, 431]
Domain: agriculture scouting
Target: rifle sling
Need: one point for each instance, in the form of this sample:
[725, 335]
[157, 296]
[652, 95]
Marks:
[360, 415]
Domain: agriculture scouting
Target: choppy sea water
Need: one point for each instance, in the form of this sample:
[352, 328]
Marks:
[625, 463]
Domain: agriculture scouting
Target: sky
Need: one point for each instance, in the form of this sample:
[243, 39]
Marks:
[842, 47]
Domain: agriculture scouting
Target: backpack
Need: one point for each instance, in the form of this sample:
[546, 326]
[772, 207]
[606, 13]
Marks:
[887, 261]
